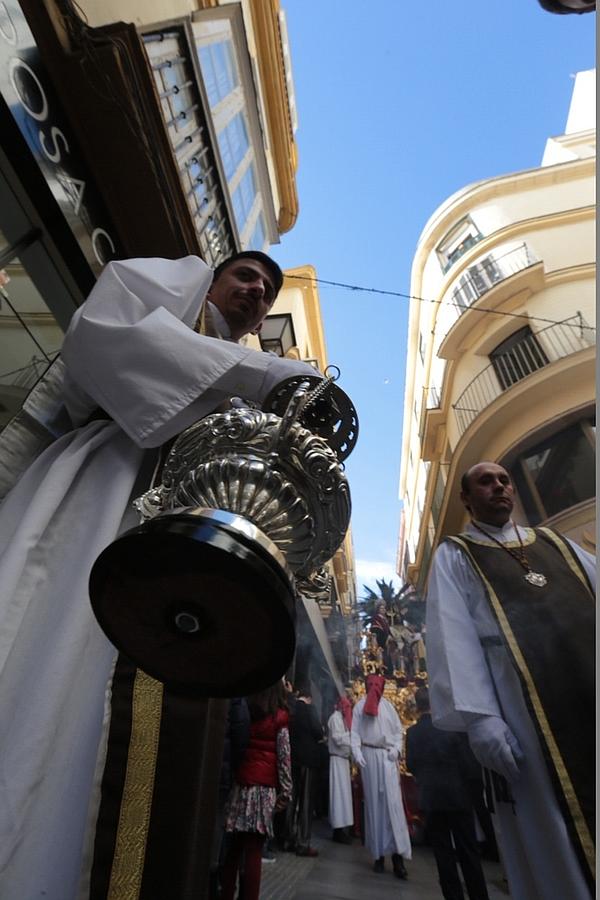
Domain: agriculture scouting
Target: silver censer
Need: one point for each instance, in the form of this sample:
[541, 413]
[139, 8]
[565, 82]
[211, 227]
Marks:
[250, 507]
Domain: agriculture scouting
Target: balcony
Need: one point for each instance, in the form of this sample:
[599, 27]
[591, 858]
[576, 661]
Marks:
[499, 277]
[489, 271]
[534, 352]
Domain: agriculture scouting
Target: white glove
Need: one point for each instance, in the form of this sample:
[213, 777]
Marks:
[392, 754]
[359, 759]
[495, 746]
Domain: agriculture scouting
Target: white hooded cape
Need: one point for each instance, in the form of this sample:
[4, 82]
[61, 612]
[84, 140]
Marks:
[385, 819]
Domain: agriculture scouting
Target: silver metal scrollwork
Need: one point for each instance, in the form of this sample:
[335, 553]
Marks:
[267, 468]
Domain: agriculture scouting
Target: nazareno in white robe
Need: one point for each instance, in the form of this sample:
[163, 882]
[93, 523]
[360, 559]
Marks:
[341, 814]
[131, 350]
[536, 850]
[386, 830]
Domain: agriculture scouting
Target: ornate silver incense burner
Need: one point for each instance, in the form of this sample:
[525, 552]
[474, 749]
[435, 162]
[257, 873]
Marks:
[201, 595]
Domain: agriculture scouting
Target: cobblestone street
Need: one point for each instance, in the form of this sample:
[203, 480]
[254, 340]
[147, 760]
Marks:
[344, 873]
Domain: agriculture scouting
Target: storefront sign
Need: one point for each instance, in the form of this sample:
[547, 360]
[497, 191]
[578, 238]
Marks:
[30, 98]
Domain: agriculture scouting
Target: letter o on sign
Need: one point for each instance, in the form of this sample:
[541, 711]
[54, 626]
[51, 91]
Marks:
[28, 89]
[100, 238]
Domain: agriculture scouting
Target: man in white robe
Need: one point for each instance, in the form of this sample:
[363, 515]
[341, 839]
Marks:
[376, 741]
[132, 353]
[475, 687]
[341, 815]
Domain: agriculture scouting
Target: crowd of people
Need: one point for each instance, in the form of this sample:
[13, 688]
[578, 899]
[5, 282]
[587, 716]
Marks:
[272, 783]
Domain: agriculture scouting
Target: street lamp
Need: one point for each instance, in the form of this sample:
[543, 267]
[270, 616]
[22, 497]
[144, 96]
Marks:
[277, 334]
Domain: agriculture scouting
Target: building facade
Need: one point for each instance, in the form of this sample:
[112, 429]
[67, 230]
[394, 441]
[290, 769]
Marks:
[502, 345]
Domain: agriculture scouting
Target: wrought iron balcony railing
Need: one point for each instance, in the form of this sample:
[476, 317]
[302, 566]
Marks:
[534, 352]
[485, 274]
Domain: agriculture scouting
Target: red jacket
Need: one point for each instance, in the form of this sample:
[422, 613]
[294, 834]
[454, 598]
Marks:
[259, 765]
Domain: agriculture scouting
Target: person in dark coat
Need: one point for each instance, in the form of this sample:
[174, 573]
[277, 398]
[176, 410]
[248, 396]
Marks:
[237, 737]
[438, 760]
[306, 737]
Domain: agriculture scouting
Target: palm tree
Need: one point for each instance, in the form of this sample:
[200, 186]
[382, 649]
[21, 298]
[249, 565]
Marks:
[406, 603]
[387, 594]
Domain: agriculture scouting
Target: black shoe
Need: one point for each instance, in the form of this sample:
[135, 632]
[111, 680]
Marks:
[399, 867]
[340, 836]
[378, 865]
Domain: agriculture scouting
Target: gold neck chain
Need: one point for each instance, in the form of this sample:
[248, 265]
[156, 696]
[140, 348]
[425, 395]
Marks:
[535, 578]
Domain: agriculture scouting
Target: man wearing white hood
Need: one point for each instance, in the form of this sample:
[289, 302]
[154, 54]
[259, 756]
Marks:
[140, 363]
[376, 739]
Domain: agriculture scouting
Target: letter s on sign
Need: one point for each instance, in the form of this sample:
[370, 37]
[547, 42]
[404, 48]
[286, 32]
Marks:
[55, 134]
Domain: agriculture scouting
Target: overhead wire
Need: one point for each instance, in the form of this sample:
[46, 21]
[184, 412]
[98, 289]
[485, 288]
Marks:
[480, 309]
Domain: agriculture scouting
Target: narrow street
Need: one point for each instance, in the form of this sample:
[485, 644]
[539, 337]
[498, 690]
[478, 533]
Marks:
[344, 873]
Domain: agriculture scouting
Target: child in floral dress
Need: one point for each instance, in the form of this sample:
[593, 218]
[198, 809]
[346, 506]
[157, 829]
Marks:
[263, 785]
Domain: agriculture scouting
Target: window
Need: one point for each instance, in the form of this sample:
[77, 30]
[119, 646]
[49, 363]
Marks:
[218, 70]
[233, 144]
[258, 239]
[557, 473]
[461, 238]
[227, 73]
[30, 336]
[517, 356]
[243, 197]
[184, 114]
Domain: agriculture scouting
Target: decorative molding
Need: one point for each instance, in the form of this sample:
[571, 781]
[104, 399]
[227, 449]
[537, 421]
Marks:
[265, 20]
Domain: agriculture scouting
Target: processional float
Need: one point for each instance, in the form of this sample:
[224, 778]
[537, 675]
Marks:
[251, 506]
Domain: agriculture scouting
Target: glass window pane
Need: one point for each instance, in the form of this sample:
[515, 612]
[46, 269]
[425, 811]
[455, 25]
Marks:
[28, 343]
[208, 74]
[243, 197]
[563, 470]
[559, 470]
[218, 70]
[233, 144]
[257, 241]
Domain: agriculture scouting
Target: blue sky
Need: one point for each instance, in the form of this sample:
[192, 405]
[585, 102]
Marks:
[399, 105]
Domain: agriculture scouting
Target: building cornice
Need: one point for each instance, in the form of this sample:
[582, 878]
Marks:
[464, 200]
[267, 32]
[508, 232]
